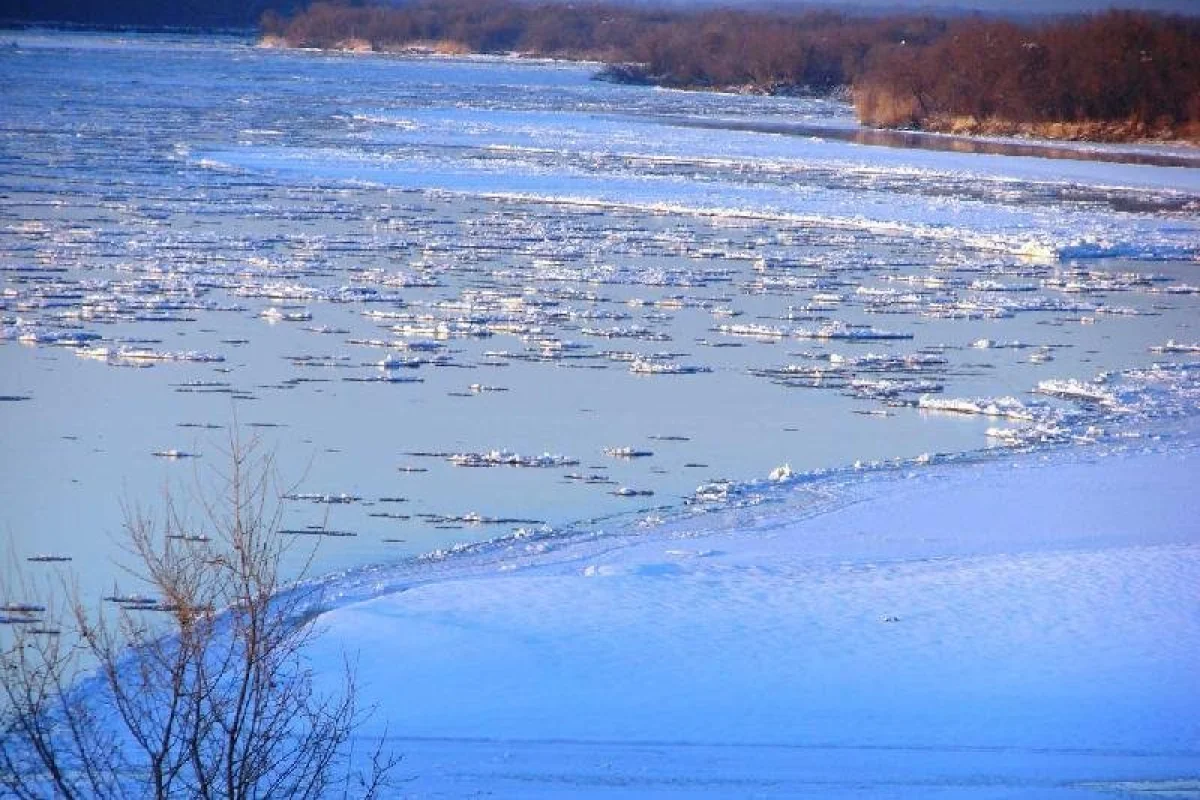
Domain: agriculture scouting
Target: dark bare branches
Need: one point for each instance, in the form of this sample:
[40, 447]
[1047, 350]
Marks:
[200, 691]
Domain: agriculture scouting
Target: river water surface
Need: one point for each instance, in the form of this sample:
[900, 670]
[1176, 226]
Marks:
[460, 298]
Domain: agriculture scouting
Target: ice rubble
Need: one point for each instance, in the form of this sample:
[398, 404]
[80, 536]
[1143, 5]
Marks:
[507, 458]
[1092, 392]
[174, 454]
[626, 452]
[1008, 407]
[645, 366]
[1172, 346]
[537, 259]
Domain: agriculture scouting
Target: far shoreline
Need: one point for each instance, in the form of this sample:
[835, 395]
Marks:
[994, 136]
[943, 133]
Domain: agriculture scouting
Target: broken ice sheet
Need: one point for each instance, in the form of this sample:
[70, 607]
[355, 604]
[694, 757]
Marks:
[575, 268]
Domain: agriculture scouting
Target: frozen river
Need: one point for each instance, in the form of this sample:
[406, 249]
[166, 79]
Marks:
[465, 297]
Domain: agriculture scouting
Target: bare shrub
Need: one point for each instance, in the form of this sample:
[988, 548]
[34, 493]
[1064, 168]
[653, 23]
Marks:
[199, 691]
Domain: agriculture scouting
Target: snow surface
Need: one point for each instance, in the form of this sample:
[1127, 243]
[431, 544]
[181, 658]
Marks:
[1024, 627]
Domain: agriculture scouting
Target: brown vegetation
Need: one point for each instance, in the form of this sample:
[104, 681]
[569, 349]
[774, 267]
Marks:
[1116, 75]
[1119, 75]
[712, 49]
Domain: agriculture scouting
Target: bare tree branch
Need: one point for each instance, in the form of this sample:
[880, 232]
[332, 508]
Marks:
[199, 691]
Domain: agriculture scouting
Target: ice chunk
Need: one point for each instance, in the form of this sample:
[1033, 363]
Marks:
[1077, 390]
[781, 473]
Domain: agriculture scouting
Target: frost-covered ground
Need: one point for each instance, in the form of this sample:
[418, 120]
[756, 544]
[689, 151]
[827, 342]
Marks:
[1021, 627]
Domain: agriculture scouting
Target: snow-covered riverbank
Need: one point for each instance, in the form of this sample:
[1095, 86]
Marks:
[1010, 628]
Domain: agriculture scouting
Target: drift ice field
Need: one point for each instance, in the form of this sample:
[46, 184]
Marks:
[640, 456]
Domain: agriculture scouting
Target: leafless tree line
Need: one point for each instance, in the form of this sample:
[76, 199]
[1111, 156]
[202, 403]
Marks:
[713, 47]
[1116, 66]
[904, 70]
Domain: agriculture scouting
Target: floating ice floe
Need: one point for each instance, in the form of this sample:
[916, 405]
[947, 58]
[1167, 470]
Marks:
[139, 602]
[626, 452]
[387, 377]
[1179, 288]
[399, 362]
[989, 285]
[625, 491]
[320, 361]
[318, 531]
[276, 314]
[507, 458]
[1042, 356]
[1120, 311]
[316, 497]
[419, 345]
[433, 328]
[24, 609]
[278, 292]
[145, 354]
[965, 309]
[846, 332]
[876, 362]
[200, 386]
[175, 454]
[899, 374]
[475, 518]
[594, 478]
[1077, 390]
[1047, 433]
[631, 332]
[1085, 281]
[641, 366]
[752, 330]
[129, 599]
[714, 492]
[1008, 407]
[890, 388]
[48, 337]
[1175, 347]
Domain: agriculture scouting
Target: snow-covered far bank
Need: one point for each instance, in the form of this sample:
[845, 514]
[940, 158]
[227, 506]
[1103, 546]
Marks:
[1010, 628]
